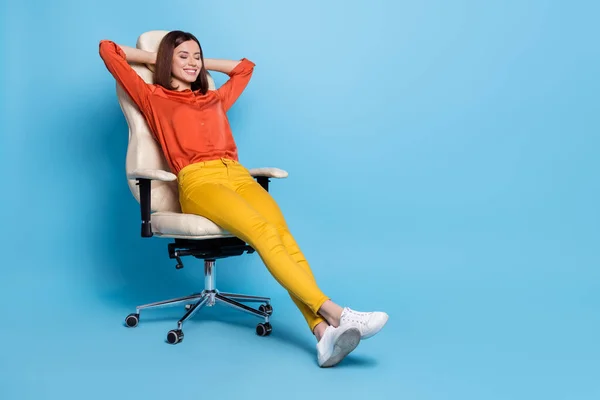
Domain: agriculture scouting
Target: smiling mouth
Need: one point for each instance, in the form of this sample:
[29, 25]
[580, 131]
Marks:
[190, 71]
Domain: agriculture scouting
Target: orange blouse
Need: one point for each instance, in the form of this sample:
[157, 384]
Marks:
[190, 127]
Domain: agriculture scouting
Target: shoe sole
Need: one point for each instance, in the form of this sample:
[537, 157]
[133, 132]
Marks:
[345, 344]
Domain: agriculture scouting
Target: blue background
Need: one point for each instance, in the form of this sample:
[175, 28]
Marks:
[443, 168]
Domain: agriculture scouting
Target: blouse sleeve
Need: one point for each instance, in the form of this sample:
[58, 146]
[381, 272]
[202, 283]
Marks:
[237, 82]
[116, 62]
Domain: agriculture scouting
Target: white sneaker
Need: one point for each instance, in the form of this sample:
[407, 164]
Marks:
[368, 323]
[336, 344]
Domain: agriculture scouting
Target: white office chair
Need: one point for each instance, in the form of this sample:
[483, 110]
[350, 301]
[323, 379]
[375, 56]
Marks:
[155, 188]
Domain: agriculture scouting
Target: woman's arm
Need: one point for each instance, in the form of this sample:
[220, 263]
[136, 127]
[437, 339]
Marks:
[239, 73]
[138, 56]
[116, 61]
[224, 66]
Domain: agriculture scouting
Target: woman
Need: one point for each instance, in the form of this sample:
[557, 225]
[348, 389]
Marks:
[191, 125]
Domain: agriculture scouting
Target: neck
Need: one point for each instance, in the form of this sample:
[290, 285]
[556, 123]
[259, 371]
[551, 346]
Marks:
[180, 86]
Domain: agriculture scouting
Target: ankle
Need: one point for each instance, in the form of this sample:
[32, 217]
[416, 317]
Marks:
[331, 312]
[319, 330]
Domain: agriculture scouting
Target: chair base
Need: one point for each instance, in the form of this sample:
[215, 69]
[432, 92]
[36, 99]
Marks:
[209, 297]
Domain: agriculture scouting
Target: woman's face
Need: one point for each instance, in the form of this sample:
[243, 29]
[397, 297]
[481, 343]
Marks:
[186, 64]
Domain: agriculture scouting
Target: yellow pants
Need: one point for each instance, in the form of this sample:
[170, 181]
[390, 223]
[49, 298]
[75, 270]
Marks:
[224, 192]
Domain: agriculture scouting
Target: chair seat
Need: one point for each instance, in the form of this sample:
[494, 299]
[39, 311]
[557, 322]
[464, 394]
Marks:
[185, 226]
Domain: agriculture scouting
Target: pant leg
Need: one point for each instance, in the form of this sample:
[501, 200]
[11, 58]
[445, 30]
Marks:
[209, 192]
[263, 202]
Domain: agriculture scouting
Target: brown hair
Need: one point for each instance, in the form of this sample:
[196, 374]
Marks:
[164, 59]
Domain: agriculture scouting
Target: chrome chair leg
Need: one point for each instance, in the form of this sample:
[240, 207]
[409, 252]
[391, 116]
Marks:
[132, 320]
[171, 302]
[193, 310]
[242, 307]
[246, 298]
[264, 311]
[176, 335]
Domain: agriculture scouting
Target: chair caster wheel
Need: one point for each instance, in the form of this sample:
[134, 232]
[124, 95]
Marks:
[132, 320]
[266, 308]
[264, 329]
[175, 336]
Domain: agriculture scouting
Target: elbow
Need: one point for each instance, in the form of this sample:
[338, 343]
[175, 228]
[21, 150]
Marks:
[109, 49]
[247, 64]
[104, 47]
[104, 43]
[243, 67]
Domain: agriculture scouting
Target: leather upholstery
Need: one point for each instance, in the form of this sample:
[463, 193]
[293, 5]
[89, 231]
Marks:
[145, 160]
[185, 226]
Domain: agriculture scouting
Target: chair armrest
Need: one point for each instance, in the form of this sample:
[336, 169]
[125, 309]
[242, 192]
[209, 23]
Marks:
[262, 175]
[152, 174]
[144, 179]
[268, 172]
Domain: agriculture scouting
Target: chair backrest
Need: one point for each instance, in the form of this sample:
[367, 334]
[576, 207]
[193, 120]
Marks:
[143, 150]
